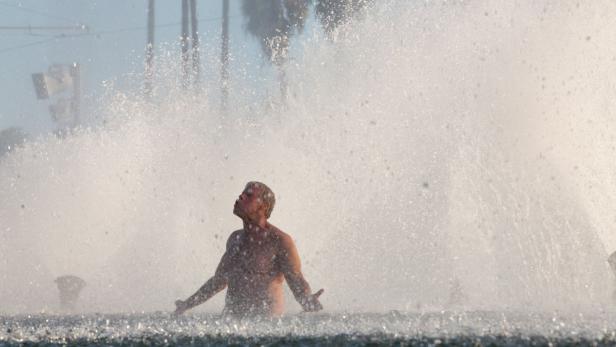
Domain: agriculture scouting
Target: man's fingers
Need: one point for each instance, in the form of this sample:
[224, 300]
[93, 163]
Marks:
[317, 294]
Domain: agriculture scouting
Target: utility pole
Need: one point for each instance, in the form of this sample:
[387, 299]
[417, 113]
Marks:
[58, 79]
[189, 18]
[224, 58]
[75, 73]
[184, 44]
[195, 41]
[54, 84]
[149, 50]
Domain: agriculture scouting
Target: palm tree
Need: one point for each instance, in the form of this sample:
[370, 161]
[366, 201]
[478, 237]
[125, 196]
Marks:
[273, 22]
[149, 50]
[224, 56]
[333, 13]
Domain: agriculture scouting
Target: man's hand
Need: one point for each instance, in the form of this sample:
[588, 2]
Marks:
[311, 302]
[180, 307]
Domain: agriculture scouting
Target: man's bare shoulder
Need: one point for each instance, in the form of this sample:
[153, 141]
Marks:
[285, 239]
[235, 238]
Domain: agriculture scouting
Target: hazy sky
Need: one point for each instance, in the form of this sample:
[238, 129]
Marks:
[113, 46]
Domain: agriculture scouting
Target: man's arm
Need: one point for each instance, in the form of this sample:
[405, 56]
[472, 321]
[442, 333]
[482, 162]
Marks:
[215, 284]
[291, 268]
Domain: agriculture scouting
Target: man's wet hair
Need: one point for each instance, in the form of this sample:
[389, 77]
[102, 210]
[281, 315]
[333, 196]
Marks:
[267, 196]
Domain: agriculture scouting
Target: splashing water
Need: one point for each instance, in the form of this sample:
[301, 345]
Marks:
[432, 151]
[394, 328]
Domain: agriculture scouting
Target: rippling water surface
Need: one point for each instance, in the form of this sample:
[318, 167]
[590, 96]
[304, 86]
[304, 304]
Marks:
[393, 328]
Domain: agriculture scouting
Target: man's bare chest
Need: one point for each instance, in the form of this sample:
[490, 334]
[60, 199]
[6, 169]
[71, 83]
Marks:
[256, 256]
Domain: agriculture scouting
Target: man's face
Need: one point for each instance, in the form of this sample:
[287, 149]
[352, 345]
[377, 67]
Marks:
[249, 204]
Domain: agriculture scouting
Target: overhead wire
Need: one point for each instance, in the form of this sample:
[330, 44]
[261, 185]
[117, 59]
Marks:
[28, 34]
[8, 49]
[40, 13]
[121, 30]
[102, 32]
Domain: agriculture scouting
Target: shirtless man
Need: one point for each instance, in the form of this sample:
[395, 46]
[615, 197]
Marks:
[257, 260]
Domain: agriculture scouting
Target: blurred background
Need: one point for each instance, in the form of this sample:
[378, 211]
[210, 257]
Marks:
[111, 39]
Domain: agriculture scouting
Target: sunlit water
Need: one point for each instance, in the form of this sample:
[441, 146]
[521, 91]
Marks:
[435, 156]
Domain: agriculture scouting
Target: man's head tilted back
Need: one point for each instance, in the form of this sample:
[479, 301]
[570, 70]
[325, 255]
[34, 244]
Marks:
[266, 195]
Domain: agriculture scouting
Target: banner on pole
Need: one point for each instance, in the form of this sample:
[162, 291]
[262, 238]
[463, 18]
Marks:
[57, 79]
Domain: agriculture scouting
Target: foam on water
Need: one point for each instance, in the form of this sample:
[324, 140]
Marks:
[435, 151]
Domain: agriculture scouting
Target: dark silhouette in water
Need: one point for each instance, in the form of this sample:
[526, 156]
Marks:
[69, 286]
[457, 296]
[612, 261]
[258, 259]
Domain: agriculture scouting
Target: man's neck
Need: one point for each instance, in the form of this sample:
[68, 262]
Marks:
[255, 226]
